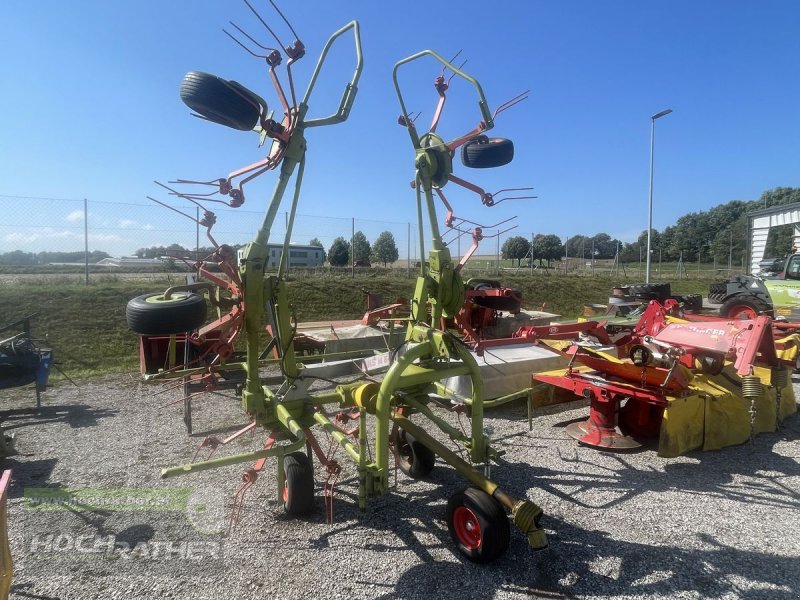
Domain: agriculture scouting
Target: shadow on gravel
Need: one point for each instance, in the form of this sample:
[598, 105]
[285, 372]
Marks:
[588, 562]
[591, 563]
[74, 415]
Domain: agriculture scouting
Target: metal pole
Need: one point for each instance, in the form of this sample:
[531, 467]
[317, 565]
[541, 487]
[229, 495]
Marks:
[566, 255]
[197, 235]
[730, 251]
[592, 256]
[650, 198]
[86, 237]
[408, 252]
[498, 252]
[353, 246]
[531, 253]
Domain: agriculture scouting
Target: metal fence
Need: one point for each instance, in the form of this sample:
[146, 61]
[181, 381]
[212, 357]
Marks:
[57, 225]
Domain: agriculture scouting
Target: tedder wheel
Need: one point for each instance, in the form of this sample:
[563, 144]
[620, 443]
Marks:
[485, 152]
[478, 525]
[152, 314]
[742, 308]
[225, 102]
[413, 458]
[298, 489]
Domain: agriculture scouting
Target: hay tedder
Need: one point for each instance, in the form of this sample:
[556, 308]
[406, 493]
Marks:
[371, 420]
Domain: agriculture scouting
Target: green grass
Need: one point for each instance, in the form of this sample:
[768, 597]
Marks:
[86, 324]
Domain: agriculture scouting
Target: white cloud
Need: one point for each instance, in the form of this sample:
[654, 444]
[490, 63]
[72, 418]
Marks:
[125, 223]
[75, 216]
[149, 227]
[49, 234]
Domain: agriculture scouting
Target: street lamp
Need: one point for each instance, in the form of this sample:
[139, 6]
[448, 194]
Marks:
[663, 113]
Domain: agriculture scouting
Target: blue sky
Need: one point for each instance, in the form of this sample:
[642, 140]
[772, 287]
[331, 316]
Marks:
[90, 109]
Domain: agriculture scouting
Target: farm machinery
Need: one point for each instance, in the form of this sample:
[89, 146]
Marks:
[692, 381]
[370, 420]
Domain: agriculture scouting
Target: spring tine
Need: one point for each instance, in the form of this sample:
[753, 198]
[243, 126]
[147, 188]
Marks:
[249, 37]
[510, 103]
[214, 182]
[171, 208]
[455, 56]
[246, 49]
[285, 20]
[264, 23]
[461, 66]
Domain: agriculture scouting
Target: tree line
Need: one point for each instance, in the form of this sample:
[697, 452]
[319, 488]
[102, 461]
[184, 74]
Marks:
[719, 233]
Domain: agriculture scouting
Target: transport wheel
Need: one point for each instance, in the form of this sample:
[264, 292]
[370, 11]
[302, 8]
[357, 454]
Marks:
[478, 525]
[298, 489]
[224, 102]
[413, 458]
[151, 314]
[741, 308]
[485, 152]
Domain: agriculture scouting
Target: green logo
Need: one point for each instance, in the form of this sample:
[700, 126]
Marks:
[112, 499]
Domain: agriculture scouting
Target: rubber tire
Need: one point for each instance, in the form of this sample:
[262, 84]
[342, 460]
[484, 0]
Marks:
[298, 489]
[183, 312]
[491, 518]
[717, 292]
[220, 101]
[729, 306]
[485, 152]
[413, 458]
[691, 302]
[482, 284]
[650, 291]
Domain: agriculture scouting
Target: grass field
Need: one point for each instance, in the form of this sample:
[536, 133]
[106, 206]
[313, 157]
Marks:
[85, 324]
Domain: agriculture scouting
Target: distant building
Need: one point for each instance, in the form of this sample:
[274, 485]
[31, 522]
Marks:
[129, 261]
[299, 256]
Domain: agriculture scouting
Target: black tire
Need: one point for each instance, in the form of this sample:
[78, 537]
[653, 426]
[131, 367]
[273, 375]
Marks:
[690, 302]
[650, 291]
[225, 102]
[736, 306]
[151, 314]
[717, 292]
[485, 152]
[413, 458]
[298, 489]
[482, 284]
[478, 525]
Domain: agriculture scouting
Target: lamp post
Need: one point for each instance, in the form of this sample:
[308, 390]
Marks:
[663, 113]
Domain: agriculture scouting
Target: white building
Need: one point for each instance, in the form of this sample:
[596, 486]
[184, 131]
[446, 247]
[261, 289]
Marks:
[299, 256]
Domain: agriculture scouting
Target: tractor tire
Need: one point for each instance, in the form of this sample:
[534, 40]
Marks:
[151, 314]
[478, 525]
[298, 488]
[650, 291]
[742, 307]
[225, 102]
[413, 458]
[717, 292]
[485, 152]
[690, 302]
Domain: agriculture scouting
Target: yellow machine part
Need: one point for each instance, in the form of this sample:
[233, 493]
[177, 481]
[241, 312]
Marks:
[715, 414]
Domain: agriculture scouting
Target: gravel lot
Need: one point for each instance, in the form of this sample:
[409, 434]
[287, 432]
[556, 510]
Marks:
[709, 525]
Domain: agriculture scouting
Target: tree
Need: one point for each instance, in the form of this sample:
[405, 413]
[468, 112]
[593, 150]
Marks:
[316, 242]
[547, 247]
[384, 249]
[516, 247]
[339, 252]
[361, 247]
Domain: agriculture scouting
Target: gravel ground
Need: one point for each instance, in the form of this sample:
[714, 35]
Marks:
[709, 525]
